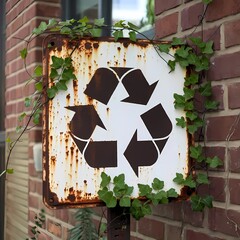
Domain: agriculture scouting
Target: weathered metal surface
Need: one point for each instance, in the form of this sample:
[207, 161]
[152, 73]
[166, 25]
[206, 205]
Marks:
[118, 117]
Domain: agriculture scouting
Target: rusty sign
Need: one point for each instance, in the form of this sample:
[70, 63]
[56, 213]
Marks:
[118, 117]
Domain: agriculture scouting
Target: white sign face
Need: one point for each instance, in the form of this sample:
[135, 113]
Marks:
[117, 117]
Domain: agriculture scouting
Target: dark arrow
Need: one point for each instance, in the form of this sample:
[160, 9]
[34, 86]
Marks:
[84, 121]
[157, 122]
[101, 154]
[140, 153]
[102, 85]
[137, 87]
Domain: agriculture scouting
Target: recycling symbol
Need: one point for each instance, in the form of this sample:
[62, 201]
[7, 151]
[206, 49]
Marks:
[112, 128]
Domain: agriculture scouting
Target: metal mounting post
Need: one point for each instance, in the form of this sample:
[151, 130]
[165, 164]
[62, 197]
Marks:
[118, 219]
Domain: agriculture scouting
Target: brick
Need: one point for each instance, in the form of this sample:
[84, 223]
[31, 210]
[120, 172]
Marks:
[33, 201]
[222, 8]
[173, 232]
[44, 236]
[227, 125]
[216, 188]
[234, 165]
[32, 185]
[225, 66]
[167, 25]
[54, 228]
[171, 210]
[234, 95]
[224, 220]
[163, 5]
[232, 33]
[190, 235]
[217, 95]
[31, 170]
[62, 214]
[234, 189]
[151, 228]
[191, 217]
[191, 16]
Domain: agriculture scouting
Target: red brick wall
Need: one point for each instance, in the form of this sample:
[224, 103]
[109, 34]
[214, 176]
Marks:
[221, 24]
[174, 221]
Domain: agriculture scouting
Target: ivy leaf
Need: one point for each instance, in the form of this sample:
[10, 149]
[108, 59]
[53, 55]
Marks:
[196, 153]
[207, 1]
[190, 182]
[198, 42]
[214, 162]
[54, 73]
[21, 117]
[51, 23]
[146, 209]
[179, 101]
[191, 115]
[108, 198]
[192, 128]
[40, 29]
[36, 117]
[206, 89]
[164, 48]
[144, 189]
[18, 129]
[57, 62]
[183, 52]
[129, 190]
[38, 71]
[211, 105]
[202, 64]
[125, 201]
[24, 53]
[51, 92]
[99, 22]
[172, 193]
[10, 171]
[202, 178]
[181, 122]
[196, 203]
[172, 65]
[160, 197]
[208, 201]
[132, 36]
[208, 48]
[119, 180]
[84, 20]
[27, 102]
[189, 106]
[61, 85]
[133, 26]
[179, 179]
[105, 180]
[96, 32]
[120, 24]
[39, 86]
[191, 80]
[68, 74]
[188, 93]
[157, 184]
[118, 34]
[177, 41]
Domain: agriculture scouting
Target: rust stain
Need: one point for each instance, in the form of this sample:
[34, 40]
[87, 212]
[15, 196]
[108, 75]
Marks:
[85, 54]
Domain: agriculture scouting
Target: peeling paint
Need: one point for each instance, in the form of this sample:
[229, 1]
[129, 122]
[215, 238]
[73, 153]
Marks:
[69, 176]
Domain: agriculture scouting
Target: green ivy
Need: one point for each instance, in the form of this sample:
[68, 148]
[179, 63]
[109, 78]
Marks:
[192, 53]
[121, 194]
